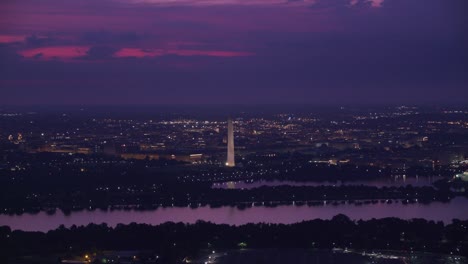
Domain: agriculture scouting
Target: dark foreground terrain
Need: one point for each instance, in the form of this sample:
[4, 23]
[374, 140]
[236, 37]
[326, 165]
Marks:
[177, 242]
[336, 256]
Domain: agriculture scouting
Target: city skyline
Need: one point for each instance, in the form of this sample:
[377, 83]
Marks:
[381, 179]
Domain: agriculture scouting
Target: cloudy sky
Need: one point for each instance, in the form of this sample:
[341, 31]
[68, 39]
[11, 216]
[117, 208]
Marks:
[233, 51]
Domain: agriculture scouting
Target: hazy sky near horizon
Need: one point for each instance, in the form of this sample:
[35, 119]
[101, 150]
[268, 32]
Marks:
[233, 51]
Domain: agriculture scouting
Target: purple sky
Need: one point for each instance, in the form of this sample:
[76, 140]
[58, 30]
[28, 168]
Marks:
[233, 51]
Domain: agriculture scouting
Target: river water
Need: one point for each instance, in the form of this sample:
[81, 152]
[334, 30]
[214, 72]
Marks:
[457, 208]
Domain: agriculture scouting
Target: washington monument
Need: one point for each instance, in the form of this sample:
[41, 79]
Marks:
[230, 145]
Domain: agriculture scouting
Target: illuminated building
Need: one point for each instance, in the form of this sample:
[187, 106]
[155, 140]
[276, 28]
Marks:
[462, 176]
[230, 145]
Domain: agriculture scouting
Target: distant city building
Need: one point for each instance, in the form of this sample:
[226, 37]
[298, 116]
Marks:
[230, 145]
[139, 156]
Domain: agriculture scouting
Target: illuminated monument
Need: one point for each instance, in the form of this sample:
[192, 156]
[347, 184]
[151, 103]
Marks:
[230, 145]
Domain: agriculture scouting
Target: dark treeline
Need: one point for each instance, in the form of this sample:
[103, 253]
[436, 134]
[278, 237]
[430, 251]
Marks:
[46, 181]
[186, 195]
[174, 241]
[49, 171]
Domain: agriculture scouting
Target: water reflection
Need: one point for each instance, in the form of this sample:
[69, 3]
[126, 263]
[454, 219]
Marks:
[437, 211]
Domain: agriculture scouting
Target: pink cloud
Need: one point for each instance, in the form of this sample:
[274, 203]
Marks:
[150, 17]
[139, 53]
[55, 52]
[373, 3]
[376, 3]
[219, 2]
[11, 38]
[73, 52]
[213, 53]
